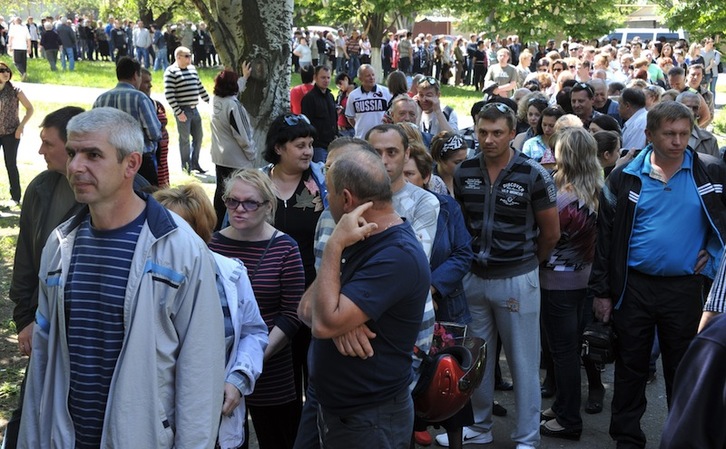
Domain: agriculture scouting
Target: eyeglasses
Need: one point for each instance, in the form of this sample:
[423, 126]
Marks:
[429, 79]
[4, 70]
[247, 205]
[186, 56]
[294, 120]
[501, 107]
[572, 66]
[556, 69]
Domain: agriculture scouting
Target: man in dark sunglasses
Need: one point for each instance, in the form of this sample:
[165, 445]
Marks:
[182, 89]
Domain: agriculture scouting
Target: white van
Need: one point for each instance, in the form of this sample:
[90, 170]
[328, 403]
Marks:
[624, 35]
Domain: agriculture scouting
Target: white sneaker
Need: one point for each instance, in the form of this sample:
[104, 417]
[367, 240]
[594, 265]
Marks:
[469, 436]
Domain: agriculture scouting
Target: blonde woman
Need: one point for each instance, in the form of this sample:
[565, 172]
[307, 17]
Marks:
[564, 276]
[245, 333]
[278, 280]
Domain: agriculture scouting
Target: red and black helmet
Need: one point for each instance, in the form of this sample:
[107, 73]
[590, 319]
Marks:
[448, 379]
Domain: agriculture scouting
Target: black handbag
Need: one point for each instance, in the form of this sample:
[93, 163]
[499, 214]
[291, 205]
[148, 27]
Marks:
[598, 342]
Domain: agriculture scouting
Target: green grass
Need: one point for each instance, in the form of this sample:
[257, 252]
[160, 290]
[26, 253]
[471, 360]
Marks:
[102, 75]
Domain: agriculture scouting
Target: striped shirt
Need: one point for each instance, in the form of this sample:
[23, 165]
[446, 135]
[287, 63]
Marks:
[500, 214]
[94, 301]
[182, 87]
[278, 285]
[125, 97]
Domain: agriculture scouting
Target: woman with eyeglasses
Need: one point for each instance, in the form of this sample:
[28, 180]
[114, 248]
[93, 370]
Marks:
[529, 109]
[276, 273]
[11, 126]
[244, 330]
[564, 275]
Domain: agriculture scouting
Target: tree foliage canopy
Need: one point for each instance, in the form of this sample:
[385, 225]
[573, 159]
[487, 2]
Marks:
[700, 17]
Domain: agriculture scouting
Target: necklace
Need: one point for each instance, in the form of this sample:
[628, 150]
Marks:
[392, 223]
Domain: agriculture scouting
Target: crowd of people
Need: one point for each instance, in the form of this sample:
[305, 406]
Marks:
[154, 317]
[83, 38]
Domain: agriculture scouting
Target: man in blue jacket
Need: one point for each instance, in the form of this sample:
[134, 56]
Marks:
[661, 224]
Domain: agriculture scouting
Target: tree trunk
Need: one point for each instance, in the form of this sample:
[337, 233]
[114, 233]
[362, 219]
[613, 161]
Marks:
[257, 31]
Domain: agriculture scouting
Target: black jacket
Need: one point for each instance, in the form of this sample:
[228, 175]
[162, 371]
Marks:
[617, 212]
[320, 108]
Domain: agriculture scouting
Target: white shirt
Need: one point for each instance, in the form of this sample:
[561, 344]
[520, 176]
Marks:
[367, 108]
[18, 37]
[429, 123]
[634, 130]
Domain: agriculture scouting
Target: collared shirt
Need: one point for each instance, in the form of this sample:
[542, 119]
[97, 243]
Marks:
[670, 226]
[126, 98]
[634, 130]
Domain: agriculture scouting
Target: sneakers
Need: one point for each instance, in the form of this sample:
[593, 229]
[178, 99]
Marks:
[470, 436]
[553, 429]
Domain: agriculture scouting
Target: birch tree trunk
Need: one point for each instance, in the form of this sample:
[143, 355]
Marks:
[257, 31]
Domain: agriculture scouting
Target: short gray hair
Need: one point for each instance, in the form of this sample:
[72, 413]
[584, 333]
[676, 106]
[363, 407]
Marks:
[363, 174]
[122, 131]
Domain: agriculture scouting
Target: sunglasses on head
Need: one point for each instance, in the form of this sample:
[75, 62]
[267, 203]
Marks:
[247, 205]
[294, 120]
[501, 107]
[429, 79]
[583, 86]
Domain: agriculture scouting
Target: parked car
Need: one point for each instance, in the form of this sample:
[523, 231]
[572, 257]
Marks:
[645, 34]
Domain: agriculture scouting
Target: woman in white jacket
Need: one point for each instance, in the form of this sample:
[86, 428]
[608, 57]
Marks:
[245, 331]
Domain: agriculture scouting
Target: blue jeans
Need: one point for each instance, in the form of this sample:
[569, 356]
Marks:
[561, 315]
[142, 55]
[353, 65]
[711, 81]
[340, 65]
[160, 61]
[511, 307]
[192, 127]
[68, 53]
[385, 426]
[307, 430]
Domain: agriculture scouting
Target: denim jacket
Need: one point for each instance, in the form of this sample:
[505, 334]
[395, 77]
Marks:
[451, 258]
